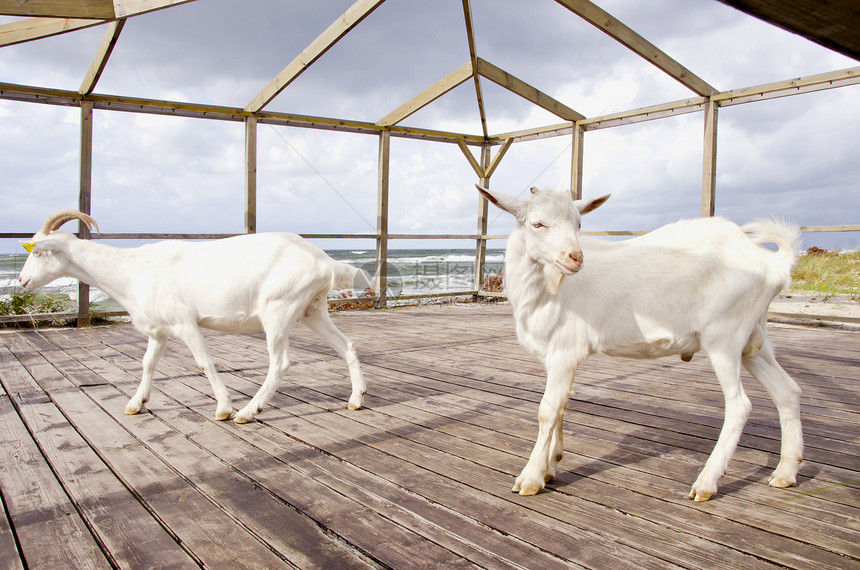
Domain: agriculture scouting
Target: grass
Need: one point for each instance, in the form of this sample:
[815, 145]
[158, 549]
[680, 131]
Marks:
[828, 272]
[29, 303]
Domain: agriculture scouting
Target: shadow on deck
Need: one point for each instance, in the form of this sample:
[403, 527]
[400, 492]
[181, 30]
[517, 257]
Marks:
[421, 476]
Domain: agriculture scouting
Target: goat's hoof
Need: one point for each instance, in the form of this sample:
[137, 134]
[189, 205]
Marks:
[240, 419]
[527, 488]
[780, 483]
[355, 403]
[701, 496]
[531, 490]
[132, 410]
[221, 416]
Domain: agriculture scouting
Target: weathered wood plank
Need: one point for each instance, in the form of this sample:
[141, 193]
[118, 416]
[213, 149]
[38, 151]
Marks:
[268, 524]
[50, 531]
[201, 526]
[423, 472]
[10, 557]
[113, 514]
[477, 543]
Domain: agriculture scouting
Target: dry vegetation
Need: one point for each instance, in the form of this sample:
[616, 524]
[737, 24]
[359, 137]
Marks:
[828, 272]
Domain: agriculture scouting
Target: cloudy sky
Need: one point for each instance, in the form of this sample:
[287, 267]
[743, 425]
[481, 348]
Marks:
[794, 157]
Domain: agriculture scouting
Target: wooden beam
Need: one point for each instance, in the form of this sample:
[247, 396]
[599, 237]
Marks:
[576, 154]
[351, 18]
[251, 175]
[807, 84]
[483, 213]
[85, 199]
[485, 172]
[473, 55]
[35, 28]
[601, 19]
[526, 91]
[43, 27]
[88, 9]
[630, 117]
[67, 98]
[473, 162]
[98, 9]
[112, 31]
[498, 158]
[382, 219]
[709, 161]
[444, 85]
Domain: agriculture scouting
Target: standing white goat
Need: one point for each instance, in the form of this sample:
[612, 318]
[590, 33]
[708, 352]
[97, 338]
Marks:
[694, 285]
[246, 283]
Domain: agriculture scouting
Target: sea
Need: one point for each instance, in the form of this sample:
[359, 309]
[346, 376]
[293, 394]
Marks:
[410, 272]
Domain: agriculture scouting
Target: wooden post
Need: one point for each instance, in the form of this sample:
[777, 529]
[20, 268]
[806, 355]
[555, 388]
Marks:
[483, 208]
[576, 162]
[709, 163]
[251, 175]
[85, 200]
[382, 219]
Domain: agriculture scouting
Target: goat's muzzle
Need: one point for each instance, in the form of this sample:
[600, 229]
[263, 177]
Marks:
[569, 262]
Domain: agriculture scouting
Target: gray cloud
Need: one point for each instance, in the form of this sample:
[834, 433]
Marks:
[186, 175]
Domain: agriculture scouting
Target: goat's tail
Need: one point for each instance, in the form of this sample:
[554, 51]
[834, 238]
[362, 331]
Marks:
[786, 236]
[348, 277]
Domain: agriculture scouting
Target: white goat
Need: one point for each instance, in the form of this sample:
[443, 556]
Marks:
[246, 283]
[694, 285]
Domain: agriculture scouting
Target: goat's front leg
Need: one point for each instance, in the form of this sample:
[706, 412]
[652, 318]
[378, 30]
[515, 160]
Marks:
[154, 348]
[726, 365]
[193, 338]
[543, 461]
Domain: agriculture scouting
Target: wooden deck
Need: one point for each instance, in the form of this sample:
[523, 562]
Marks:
[421, 477]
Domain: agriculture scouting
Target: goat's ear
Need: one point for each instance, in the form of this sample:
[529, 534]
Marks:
[507, 203]
[52, 245]
[585, 206]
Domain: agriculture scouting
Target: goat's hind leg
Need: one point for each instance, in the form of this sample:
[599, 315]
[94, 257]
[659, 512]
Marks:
[154, 349]
[785, 394]
[277, 328]
[316, 318]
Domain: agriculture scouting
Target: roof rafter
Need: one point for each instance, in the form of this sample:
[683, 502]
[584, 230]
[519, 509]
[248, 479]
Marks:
[473, 55]
[55, 17]
[444, 85]
[337, 30]
[601, 19]
[526, 91]
[87, 9]
[108, 42]
[36, 28]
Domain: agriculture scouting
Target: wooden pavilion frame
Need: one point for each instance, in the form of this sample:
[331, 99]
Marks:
[52, 17]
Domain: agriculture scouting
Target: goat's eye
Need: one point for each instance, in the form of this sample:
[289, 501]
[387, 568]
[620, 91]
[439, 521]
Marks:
[538, 225]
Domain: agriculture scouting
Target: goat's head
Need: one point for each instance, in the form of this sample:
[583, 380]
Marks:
[47, 260]
[549, 224]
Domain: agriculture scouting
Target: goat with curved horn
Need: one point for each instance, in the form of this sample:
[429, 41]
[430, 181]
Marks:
[248, 283]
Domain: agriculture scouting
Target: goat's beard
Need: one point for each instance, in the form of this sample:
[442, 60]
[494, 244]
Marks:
[553, 276]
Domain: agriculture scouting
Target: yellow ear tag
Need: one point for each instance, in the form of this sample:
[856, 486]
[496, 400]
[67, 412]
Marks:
[29, 246]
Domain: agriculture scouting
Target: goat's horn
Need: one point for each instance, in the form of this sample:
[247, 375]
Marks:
[60, 217]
